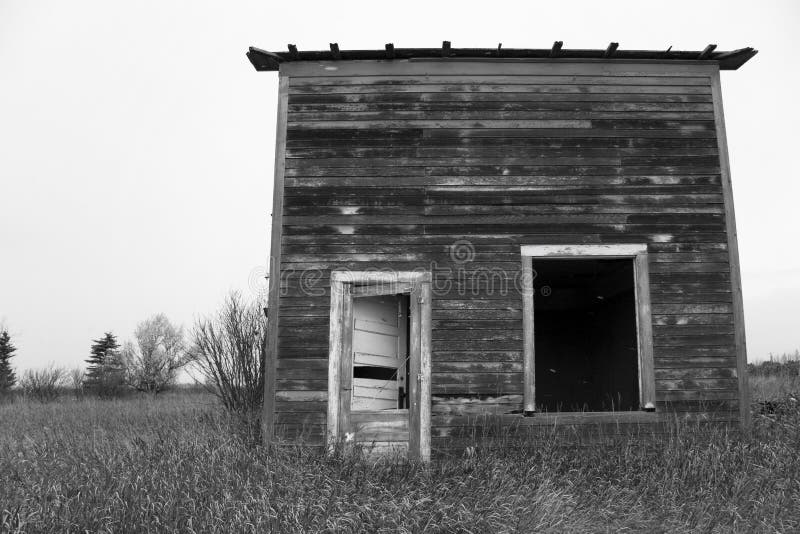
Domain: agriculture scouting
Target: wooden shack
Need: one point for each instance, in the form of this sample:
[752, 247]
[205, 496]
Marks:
[509, 238]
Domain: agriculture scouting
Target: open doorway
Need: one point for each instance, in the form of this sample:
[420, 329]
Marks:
[585, 335]
[587, 329]
[380, 353]
[379, 368]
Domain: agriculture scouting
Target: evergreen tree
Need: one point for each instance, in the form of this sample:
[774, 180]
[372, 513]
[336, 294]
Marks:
[7, 349]
[102, 373]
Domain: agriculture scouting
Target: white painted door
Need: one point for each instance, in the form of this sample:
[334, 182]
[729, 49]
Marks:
[379, 352]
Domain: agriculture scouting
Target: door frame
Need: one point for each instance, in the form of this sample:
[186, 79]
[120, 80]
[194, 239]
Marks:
[637, 252]
[344, 285]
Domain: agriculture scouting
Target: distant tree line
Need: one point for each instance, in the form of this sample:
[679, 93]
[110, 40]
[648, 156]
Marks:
[226, 348]
[777, 365]
[149, 363]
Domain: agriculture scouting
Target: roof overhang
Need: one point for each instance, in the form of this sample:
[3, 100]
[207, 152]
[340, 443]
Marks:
[730, 60]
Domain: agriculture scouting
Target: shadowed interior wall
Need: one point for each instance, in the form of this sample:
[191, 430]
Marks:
[585, 335]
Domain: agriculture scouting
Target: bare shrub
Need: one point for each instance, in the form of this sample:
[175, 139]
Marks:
[75, 378]
[45, 384]
[111, 384]
[152, 362]
[228, 349]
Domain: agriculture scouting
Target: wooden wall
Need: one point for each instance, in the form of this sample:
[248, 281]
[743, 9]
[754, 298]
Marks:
[422, 165]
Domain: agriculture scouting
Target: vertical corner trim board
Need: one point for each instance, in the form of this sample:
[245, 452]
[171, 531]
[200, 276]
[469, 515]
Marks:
[733, 251]
[274, 262]
[529, 348]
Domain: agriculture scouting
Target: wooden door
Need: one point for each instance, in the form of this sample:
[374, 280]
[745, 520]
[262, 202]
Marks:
[380, 353]
[380, 326]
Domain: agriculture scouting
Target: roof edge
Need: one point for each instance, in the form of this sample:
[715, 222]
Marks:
[263, 60]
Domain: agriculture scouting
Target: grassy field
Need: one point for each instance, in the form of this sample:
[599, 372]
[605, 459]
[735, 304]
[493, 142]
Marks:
[176, 464]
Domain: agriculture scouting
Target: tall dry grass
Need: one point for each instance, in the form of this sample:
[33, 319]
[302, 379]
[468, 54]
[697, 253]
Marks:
[775, 388]
[176, 464]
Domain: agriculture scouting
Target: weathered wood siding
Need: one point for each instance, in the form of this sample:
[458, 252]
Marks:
[397, 169]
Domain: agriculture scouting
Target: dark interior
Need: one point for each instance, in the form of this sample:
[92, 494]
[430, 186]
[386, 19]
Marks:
[375, 373]
[585, 335]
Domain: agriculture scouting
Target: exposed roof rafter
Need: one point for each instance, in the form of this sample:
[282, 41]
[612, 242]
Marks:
[728, 60]
[445, 48]
[706, 53]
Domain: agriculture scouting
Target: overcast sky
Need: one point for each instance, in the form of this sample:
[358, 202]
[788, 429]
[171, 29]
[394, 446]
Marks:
[137, 143]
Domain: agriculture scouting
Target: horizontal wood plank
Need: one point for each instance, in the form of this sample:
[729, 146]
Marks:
[575, 79]
[489, 87]
[410, 98]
